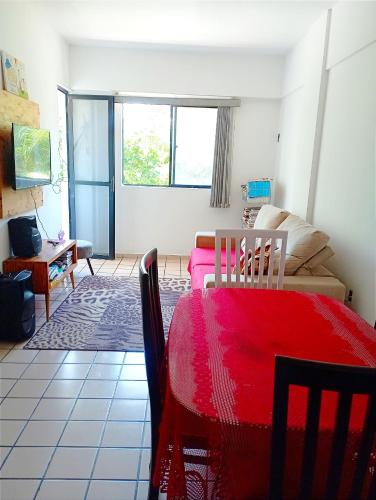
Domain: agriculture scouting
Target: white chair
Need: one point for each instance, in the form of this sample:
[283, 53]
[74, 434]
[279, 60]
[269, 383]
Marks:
[250, 241]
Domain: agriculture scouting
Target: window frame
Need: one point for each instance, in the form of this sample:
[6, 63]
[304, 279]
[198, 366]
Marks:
[172, 157]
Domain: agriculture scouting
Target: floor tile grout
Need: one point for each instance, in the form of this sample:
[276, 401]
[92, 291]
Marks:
[30, 410]
[100, 443]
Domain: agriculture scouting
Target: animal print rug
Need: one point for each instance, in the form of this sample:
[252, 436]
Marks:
[104, 313]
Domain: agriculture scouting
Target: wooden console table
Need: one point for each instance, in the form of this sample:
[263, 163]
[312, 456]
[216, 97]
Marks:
[39, 265]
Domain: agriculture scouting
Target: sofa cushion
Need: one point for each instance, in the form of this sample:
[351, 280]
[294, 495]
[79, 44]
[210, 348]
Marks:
[270, 217]
[206, 257]
[303, 242]
[199, 273]
[319, 258]
[316, 271]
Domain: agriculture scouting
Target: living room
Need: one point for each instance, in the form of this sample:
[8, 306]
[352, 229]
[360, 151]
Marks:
[299, 79]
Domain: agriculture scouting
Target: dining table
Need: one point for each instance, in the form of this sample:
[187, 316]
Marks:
[215, 433]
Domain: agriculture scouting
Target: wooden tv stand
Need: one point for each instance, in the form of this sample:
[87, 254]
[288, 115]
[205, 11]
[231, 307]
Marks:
[39, 265]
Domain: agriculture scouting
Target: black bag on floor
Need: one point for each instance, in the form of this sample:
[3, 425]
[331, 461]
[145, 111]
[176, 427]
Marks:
[17, 306]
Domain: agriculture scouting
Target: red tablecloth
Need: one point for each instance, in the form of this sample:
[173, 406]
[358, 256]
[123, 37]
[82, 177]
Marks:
[202, 262]
[219, 393]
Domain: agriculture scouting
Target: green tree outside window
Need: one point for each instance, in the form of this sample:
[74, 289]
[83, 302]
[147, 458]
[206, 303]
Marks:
[146, 160]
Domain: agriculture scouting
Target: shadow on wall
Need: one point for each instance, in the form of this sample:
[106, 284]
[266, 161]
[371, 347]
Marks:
[279, 194]
[4, 240]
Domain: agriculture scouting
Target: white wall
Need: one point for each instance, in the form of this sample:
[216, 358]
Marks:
[342, 199]
[299, 115]
[345, 201]
[26, 34]
[353, 28]
[176, 72]
[168, 217]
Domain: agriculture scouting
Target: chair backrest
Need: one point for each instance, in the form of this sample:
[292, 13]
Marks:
[317, 377]
[254, 242]
[154, 341]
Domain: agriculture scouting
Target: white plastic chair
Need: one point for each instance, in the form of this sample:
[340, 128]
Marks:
[253, 239]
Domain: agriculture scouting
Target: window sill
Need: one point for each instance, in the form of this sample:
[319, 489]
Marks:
[178, 186]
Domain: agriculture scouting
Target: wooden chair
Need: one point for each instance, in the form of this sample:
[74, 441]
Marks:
[154, 344]
[318, 377]
[255, 241]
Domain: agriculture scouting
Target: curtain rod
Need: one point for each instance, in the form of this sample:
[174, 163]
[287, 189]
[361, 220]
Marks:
[169, 99]
[205, 102]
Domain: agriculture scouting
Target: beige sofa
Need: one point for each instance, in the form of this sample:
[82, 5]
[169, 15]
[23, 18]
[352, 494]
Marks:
[307, 251]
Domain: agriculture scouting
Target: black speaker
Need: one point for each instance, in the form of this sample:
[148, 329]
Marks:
[25, 238]
[17, 306]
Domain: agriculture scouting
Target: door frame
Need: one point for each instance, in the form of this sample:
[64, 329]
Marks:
[111, 170]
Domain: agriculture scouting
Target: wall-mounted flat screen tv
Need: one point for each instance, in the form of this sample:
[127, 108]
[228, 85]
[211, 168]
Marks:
[32, 157]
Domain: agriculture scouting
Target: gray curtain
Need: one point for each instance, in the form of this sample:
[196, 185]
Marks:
[220, 190]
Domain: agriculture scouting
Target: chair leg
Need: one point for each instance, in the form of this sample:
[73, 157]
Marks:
[153, 492]
[89, 264]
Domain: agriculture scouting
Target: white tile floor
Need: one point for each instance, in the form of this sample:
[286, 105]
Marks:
[74, 425]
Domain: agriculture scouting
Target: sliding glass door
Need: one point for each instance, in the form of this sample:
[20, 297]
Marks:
[91, 171]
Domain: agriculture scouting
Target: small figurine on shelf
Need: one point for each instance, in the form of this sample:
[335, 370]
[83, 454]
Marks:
[244, 189]
[60, 236]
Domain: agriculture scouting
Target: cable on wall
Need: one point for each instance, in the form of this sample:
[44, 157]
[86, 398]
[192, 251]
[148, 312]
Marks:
[37, 214]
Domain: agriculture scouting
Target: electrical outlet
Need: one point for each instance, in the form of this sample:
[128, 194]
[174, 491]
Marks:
[350, 296]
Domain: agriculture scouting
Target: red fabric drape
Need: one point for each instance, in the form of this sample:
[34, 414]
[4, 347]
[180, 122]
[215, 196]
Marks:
[216, 427]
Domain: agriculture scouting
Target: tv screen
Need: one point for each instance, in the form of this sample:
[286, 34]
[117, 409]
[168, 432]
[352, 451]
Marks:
[32, 157]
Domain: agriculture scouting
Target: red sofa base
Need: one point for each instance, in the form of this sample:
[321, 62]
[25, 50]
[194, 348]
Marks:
[202, 262]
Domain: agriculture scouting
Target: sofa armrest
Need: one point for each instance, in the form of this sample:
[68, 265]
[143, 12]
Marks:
[325, 285]
[205, 239]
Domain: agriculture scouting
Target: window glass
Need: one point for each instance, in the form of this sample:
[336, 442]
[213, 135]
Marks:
[61, 184]
[195, 137]
[146, 144]
[166, 145]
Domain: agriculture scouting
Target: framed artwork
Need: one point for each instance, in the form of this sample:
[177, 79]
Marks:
[14, 80]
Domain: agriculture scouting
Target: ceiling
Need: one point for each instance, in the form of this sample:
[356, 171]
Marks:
[256, 26]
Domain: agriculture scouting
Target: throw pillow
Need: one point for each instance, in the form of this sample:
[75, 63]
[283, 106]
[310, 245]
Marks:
[243, 261]
[270, 217]
[303, 242]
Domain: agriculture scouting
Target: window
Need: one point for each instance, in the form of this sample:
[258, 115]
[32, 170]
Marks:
[61, 184]
[194, 146]
[168, 145]
[146, 144]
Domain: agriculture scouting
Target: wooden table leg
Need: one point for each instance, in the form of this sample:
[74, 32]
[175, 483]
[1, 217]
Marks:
[47, 300]
[72, 278]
